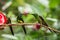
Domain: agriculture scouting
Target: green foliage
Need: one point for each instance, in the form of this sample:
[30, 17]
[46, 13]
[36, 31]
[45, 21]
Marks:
[51, 14]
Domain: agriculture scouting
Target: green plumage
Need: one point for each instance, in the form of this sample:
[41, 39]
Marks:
[20, 20]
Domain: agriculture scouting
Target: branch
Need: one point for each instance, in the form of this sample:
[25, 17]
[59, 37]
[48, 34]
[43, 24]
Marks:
[52, 29]
[44, 24]
[20, 24]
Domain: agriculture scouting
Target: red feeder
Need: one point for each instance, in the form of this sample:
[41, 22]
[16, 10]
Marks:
[3, 19]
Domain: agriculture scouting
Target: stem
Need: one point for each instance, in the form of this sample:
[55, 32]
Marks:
[52, 29]
[20, 24]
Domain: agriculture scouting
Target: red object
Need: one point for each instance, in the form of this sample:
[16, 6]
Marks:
[3, 18]
[37, 26]
[25, 13]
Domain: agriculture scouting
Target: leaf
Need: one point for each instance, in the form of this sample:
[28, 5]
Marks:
[19, 2]
[53, 3]
[29, 18]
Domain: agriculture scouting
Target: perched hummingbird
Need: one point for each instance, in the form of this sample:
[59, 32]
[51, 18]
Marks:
[20, 20]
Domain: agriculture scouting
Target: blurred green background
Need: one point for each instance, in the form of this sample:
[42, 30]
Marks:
[48, 9]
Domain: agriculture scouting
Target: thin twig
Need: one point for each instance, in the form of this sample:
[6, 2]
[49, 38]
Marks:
[52, 29]
[20, 24]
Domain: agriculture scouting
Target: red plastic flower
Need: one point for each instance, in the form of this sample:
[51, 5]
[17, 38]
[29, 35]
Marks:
[3, 18]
